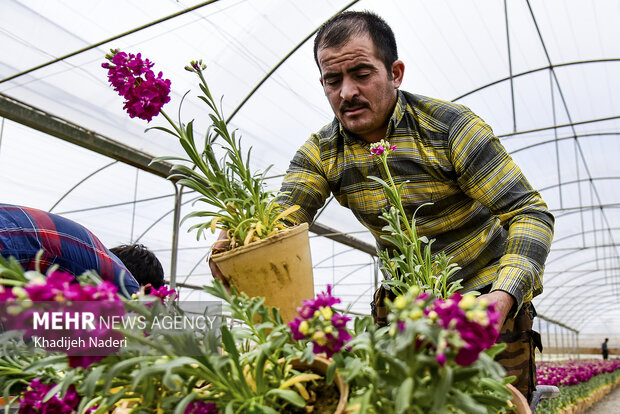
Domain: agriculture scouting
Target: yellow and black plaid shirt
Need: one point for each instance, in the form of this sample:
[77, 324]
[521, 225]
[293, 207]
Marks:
[484, 213]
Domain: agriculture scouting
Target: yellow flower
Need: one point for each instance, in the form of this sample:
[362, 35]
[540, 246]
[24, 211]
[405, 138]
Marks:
[415, 314]
[467, 301]
[400, 302]
[326, 311]
[303, 327]
[319, 337]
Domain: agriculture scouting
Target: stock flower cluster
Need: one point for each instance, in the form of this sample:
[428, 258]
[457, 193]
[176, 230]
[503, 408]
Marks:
[201, 407]
[380, 148]
[132, 77]
[319, 322]
[33, 398]
[573, 372]
[469, 325]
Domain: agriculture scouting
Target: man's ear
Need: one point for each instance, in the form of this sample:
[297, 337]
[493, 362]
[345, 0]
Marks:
[398, 71]
[321, 80]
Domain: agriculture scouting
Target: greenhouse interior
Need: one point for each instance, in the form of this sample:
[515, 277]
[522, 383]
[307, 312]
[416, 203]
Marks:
[543, 74]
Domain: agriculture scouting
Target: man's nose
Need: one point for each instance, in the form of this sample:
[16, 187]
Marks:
[348, 90]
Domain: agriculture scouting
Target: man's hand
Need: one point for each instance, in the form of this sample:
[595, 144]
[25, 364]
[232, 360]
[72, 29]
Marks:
[219, 246]
[503, 303]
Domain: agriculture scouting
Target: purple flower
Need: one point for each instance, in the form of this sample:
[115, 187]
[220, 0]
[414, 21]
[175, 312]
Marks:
[377, 150]
[201, 407]
[134, 80]
[380, 148]
[163, 292]
[32, 400]
[6, 294]
[50, 289]
[441, 359]
[319, 323]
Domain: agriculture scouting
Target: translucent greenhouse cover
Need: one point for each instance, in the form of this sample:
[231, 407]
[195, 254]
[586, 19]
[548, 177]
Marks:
[545, 74]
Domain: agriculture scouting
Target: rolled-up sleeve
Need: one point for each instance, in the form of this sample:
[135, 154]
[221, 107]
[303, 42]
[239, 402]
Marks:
[305, 184]
[488, 174]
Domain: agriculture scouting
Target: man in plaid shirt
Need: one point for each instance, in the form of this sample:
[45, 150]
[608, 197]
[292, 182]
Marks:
[26, 231]
[484, 213]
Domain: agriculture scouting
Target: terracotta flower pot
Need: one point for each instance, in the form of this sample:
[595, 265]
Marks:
[278, 268]
[519, 401]
[319, 366]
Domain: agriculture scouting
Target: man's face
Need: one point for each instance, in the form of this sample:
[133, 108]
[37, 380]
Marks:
[360, 91]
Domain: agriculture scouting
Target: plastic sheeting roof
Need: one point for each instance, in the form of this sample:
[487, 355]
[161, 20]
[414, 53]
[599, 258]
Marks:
[548, 86]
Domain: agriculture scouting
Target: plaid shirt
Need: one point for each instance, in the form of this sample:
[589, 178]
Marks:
[25, 231]
[484, 213]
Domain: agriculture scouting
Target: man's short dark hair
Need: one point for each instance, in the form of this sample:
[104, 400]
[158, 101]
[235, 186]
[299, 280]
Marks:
[142, 263]
[338, 30]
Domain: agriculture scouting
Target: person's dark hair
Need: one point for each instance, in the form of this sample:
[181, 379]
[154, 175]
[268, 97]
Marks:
[339, 29]
[142, 263]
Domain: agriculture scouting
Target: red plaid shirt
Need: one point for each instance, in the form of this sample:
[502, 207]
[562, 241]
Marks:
[25, 231]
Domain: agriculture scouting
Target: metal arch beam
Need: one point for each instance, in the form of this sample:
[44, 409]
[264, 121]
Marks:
[570, 236]
[551, 308]
[575, 297]
[593, 312]
[552, 321]
[570, 124]
[551, 187]
[563, 212]
[591, 315]
[82, 181]
[577, 249]
[581, 302]
[108, 40]
[280, 63]
[528, 72]
[580, 249]
[559, 272]
[47, 123]
[558, 300]
[552, 141]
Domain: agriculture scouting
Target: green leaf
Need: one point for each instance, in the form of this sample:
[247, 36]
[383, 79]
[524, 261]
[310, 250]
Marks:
[288, 395]
[442, 389]
[403, 395]
[182, 405]
[465, 402]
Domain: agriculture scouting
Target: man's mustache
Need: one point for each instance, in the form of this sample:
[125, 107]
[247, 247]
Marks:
[355, 103]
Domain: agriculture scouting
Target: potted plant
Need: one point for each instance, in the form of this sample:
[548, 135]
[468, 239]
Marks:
[232, 197]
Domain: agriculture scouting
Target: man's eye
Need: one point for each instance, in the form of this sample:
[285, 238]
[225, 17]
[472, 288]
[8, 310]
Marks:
[363, 75]
[332, 81]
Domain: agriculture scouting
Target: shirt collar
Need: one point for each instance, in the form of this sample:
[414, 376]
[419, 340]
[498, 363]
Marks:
[397, 116]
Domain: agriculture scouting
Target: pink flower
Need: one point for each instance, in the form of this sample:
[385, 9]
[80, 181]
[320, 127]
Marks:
[381, 147]
[6, 294]
[32, 400]
[377, 151]
[201, 407]
[441, 359]
[163, 292]
[134, 80]
[319, 323]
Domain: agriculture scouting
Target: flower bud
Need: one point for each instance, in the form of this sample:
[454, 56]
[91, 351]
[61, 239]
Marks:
[400, 302]
[326, 312]
[467, 301]
[319, 337]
